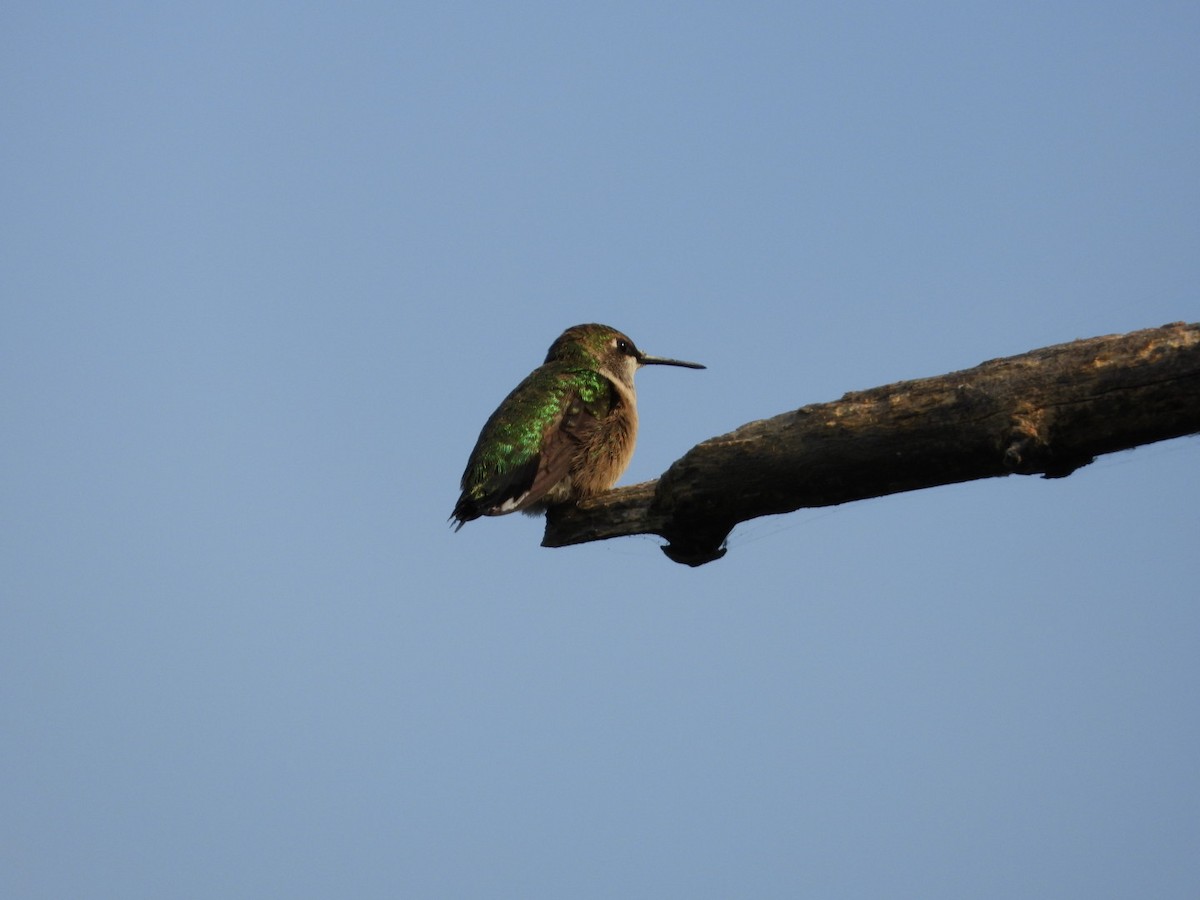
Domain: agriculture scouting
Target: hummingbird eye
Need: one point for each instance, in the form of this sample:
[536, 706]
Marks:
[625, 347]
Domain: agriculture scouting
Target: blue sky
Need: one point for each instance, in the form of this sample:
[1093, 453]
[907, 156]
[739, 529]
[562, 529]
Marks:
[267, 268]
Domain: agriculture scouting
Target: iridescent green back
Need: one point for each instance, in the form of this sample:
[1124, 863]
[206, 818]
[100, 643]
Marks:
[514, 436]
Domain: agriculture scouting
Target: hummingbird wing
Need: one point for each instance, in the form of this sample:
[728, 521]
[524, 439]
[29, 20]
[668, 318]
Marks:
[564, 440]
[531, 441]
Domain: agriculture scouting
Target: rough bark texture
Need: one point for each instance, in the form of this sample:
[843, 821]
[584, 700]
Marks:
[1046, 412]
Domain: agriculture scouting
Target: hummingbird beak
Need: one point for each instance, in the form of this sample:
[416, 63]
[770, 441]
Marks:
[647, 360]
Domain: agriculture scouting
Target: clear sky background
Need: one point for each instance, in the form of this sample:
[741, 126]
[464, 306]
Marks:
[265, 270]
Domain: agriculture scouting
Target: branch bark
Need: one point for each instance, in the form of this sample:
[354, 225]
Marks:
[1047, 412]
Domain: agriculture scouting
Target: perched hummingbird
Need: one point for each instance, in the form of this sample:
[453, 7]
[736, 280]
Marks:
[566, 432]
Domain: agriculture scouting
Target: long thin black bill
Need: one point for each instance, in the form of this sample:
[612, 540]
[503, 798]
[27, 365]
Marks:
[663, 361]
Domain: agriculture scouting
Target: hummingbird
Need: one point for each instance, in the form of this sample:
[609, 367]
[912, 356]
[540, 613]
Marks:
[564, 433]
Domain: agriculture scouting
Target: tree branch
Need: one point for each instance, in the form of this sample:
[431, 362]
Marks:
[1046, 412]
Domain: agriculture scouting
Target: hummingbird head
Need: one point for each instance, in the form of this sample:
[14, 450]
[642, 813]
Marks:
[608, 351]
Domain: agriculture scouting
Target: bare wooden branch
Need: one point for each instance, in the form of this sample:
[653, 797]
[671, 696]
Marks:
[1046, 412]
